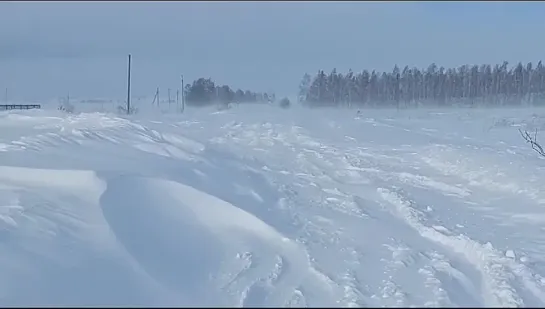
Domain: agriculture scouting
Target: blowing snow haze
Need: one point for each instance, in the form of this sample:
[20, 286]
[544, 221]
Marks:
[245, 199]
[50, 48]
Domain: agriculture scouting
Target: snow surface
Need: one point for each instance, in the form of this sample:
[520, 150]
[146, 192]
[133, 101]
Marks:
[259, 206]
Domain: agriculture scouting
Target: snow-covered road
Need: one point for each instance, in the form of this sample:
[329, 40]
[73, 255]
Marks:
[264, 207]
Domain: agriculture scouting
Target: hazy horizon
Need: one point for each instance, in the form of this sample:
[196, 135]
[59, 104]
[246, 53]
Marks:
[49, 49]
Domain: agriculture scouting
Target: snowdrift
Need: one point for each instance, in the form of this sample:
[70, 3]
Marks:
[259, 206]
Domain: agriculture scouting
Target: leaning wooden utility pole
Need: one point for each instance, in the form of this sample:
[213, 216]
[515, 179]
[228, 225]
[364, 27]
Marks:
[156, 98]
[129, 87]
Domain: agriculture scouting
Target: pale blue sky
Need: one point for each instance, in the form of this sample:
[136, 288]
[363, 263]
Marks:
[48, 49]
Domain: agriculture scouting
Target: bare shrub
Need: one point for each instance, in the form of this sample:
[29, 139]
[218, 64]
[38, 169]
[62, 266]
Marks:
[67, 108]
[123, 110]
[285, 103]
[533, 141]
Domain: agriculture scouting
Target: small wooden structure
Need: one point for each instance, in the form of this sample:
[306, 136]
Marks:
[19, 106]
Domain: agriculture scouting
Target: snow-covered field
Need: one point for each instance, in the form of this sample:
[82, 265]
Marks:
[258, 206]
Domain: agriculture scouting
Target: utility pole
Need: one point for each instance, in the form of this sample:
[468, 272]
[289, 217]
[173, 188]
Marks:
[349, 97]
[177, 99]
[156, 98]
[183, 95]
[169, 99]
[129, 87]
[6, 97]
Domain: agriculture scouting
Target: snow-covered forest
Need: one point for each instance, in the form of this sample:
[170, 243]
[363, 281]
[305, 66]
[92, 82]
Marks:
[481, 85]
[204, 91]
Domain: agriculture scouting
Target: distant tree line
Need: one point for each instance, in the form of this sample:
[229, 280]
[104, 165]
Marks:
[204, 91]
[467, 85]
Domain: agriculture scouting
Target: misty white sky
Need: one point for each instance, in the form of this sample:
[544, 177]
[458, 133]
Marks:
[50, 48]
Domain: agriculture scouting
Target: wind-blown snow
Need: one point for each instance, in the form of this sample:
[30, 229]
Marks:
[258, 206]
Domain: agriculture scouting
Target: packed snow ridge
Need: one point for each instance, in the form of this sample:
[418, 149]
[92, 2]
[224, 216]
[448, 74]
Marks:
[258, 206]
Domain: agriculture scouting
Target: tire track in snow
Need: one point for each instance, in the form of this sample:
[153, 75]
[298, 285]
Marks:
[503, 183]
[411, 254]
[417, 181]
[497, 276]
[321, 167]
